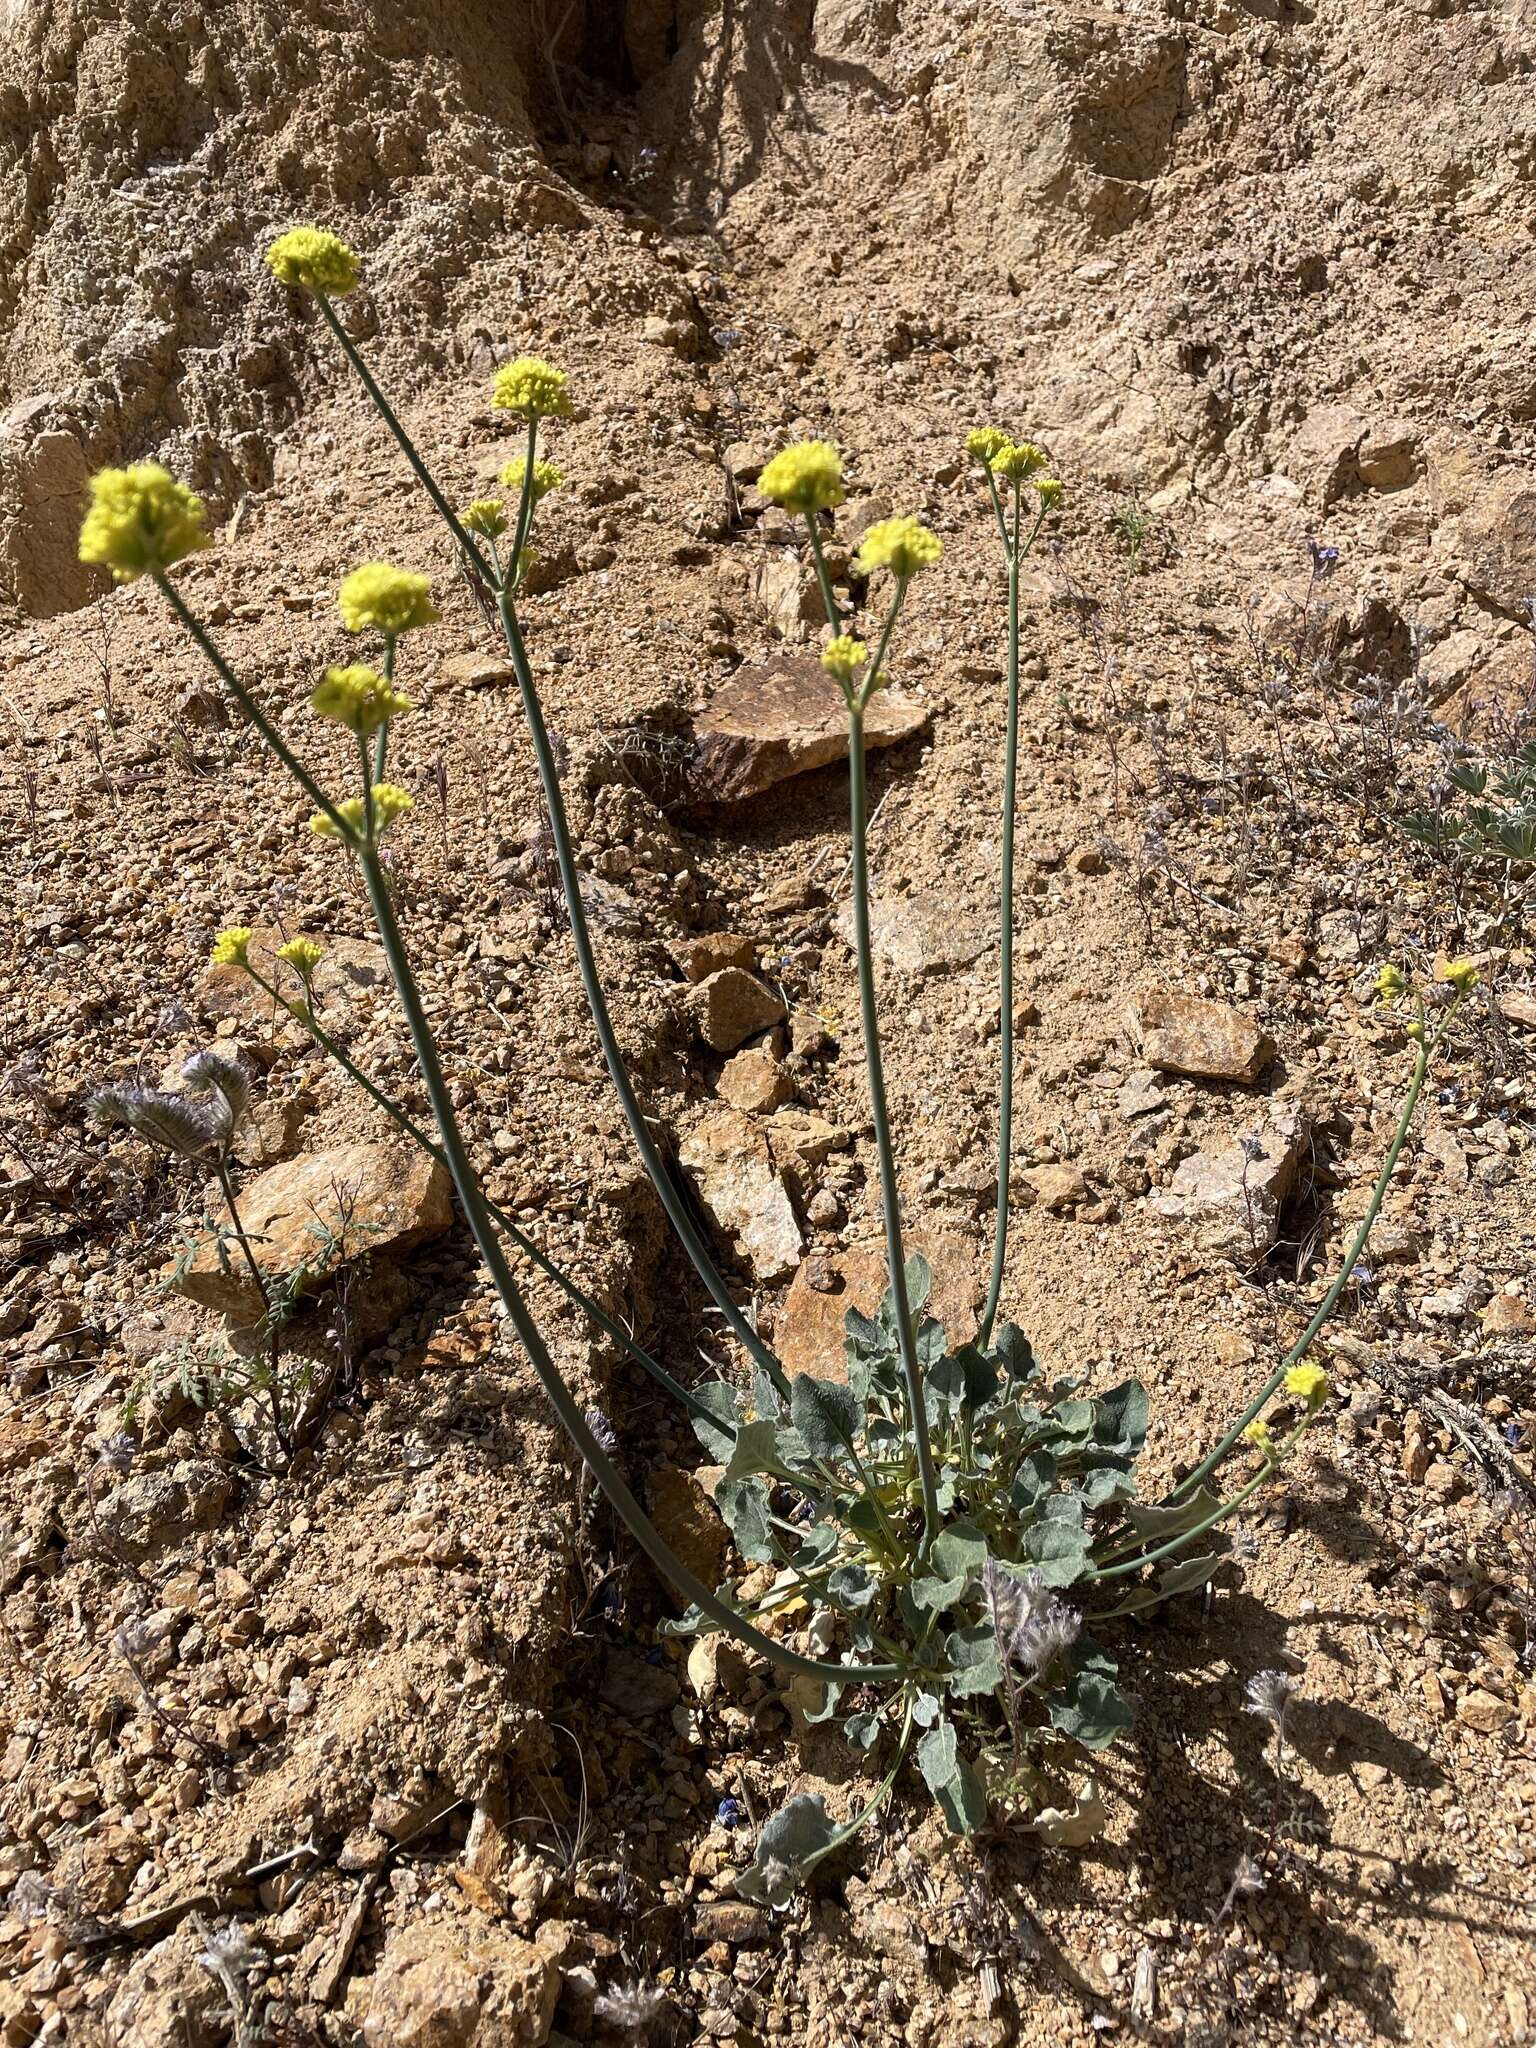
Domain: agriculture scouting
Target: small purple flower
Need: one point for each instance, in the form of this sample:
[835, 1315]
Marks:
[1324, 559]
[730, 1813]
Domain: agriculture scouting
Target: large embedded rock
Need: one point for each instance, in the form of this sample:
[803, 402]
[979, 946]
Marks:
[351, 973]
[447, 1984]
[1238, 1190]
[732, 1006]
[154, 1509]
[1188, 1035]
[378, 1202]
[808, 1336]
[919, 934]
[1497, 536]
[782, 719]
[729, 1162]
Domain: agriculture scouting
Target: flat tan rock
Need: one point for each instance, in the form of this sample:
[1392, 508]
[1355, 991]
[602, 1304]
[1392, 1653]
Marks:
[754, 1081]
[1212, 1041]
[732, 1006]
[382, 1200]
[808, 1336]
[730, 1164]
[781, 719]
[921, 933]
[351, 974]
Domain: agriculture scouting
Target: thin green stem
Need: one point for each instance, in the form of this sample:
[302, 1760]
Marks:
[890, 1199]
[661, 1179]
[829, 601]
[304, 1014]
[525, 502]
[408, 447]
[1326, 1306]
[247, 702]
[850, 1828]
[1005, 929]
[381, 744]
[1218, 1514]
[566, 1408]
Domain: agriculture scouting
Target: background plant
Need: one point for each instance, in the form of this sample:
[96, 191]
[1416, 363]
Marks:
[926, 1520]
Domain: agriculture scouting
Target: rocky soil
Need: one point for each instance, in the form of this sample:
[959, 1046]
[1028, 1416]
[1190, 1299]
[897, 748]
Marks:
[386, 1748]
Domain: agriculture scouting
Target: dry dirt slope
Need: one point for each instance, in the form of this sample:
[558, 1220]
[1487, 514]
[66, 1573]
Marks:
[1251, 263]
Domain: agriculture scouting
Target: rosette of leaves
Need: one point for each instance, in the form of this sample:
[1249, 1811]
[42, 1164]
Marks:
[1496, 825]
[1005, 1684]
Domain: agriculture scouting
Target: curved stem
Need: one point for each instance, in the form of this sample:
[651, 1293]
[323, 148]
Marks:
[829, 601]
[304, 1014]
[1217, 1514]
[570, 882]
[1005, 967]
[1326, 1306]
[851, 1827]
[408, 447]
[564, 1404]
[247, 702]
[381, 743]
[525, 501]
[890, 1199]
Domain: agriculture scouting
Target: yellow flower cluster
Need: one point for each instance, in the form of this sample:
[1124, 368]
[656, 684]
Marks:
[985, 443]
[546, 477]
[358, 698]
[844, 657]
[389, 801]
[1017, 461]
[302, 955]
[1048, 490]
[393, 601]
[231, 946]
[1391, 983]
[806, 477]
[315, 261]
[1257, 1434]
[532, 387]
[901, 545]
[485, 516]
[1461, 974]
[1307, 1383]
[140, 520]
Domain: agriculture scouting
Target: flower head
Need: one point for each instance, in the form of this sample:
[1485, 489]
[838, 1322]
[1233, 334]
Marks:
[1033, 1628]
[1018, 461]
[302, 955]
[389, 801]
[231, 946]
[1307, 1383]
[806, 477]
[219, 1074]
[546, 477]
[1461, 974]
[844, 657]
[985, 442]
[178, 1122]
[315, 260]
[532, 387]
[140, 520]
[1049, 491]
[1390, 983]
[358, 698]
[393, 601]
[1257, 1434]
[485, 516]
[901, 545]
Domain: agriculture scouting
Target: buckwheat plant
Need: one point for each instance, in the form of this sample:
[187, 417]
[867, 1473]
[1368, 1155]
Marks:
[936, 1546]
